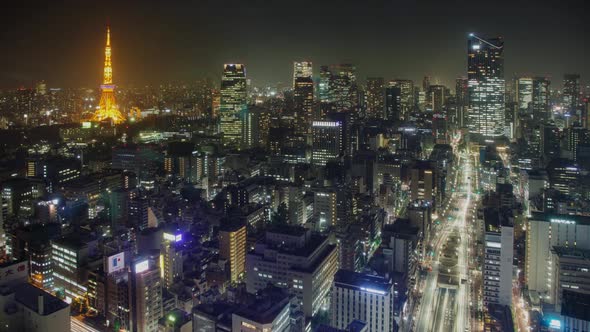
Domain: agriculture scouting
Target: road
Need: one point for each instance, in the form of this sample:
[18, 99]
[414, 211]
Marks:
[445, 306]
[79, 326]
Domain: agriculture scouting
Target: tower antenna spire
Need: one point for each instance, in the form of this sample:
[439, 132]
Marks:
[108, 108]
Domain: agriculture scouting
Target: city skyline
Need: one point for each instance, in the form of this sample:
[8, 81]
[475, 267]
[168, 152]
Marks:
[341, 166]
[406, 41]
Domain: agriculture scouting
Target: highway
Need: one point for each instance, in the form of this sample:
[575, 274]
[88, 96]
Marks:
[445, 300]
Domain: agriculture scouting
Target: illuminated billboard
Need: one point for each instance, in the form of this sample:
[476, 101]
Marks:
[116, 262]
[172, 237]
[142, 266]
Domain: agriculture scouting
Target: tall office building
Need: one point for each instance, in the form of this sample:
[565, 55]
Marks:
[233, 106]
[364, 297]
[499, 253]
[338, 89]
[486, 86]
[423, 182]
[375, 98]
[571, 92]
[146, 298]
[303, 96]
[292, 257]
[426, 83]
[524, 94]
[232, 247]
[532, 97]
[327, 142]
[406, 96]
[544, 233]
[393, 106]
[301, 69]
[462, 97]
[171, 263]
[541, 99]
[437, 97]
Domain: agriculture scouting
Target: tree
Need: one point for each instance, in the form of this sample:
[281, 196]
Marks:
[281, 216]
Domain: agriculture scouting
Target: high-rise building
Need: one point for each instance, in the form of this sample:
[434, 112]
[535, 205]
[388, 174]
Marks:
[232, 247]
[393, 107]
[437, 97]
[576, 136]
[375, 98]
[544, 233]
[70, 256]
[171, 268]
[541, 98]
[338, 89]
[550, 141]
[524, 94]
[327, 142]
[571, 92]
[146, 296]
[364, 297]
[462, 100]
[233, 107]
[303, 96]
[423, 182]
[293, 258]
[426, 84]
[486, 86]
[406, 96]
[324, 208]
[301, 69]
[499, 253]
[532, 97]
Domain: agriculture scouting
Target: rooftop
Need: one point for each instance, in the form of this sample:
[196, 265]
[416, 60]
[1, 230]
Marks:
[366, 282]
[28, 295]
[559, 218]
[576, 305]
[266, 307]
[571, 252]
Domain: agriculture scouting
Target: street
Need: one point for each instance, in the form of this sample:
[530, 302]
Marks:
[446, 298]
[80, 326]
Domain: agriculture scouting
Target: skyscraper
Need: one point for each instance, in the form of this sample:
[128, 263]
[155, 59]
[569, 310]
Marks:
[375, 97]
[541, 98]
[497, 269]
[327, 141]
[146, 296]
[571, 92]
[303, 96]
[532, 97]
[338, 90]
[524, 94]
[233, 106]
[232, 247]
[461, 94]
[406, 96]
[301, 69]
[393, 108]
[438, 96]
[485, 70]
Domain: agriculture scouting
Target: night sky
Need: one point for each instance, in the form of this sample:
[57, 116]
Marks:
[172, 41]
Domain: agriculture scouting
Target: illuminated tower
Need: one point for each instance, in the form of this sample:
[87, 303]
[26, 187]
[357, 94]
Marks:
[108, 108]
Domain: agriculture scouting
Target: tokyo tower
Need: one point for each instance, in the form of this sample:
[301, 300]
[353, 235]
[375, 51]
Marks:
[108, 108]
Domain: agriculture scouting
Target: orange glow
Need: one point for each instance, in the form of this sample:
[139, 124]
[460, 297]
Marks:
[108, 108]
